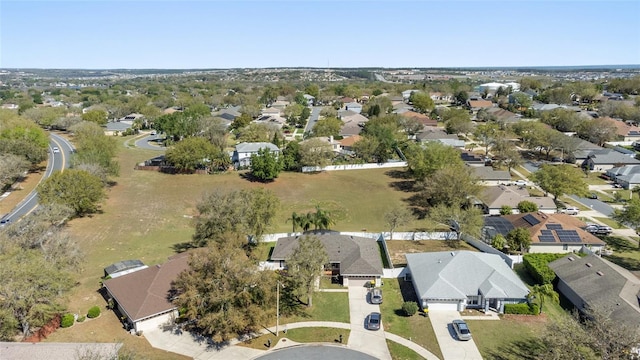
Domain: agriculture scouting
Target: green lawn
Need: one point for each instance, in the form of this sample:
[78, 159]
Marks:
[608, 221]
[327, 306]
[624, 254]
[401, 352]
[623, 193]
[302, 335]
[325, 283]
[263, 250]
[417, 328]
[595, 179]
[513, 337]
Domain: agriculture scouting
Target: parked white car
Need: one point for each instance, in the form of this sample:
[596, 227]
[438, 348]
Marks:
[570, 211]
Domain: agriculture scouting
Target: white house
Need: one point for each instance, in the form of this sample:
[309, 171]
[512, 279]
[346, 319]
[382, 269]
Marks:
[242, 155]
[354, 106]
[458, 280]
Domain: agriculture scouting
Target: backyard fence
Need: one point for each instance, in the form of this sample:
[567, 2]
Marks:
[397, 164]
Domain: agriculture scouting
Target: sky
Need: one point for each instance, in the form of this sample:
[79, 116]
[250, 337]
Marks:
[100, 34]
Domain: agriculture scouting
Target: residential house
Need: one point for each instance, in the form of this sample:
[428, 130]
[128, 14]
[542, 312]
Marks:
[407, 94]
[281, 103]
[241, 157]
[422, 118]
[347, 143]
[503, 116]
[271, 111]
[441, 98]
[489, 177]
[474, 160]
[493, 198]
[131, 117]
[627, 176]
[116, 127]
[397, 100]
[625, 132]
[347, 100]
[513, 98]
[602, 160]
[353, 106]
[545, 107]
[352, 123]
[476, 104]
[459, 280]
[228, 114]
[583, 149]
[550, 233]
[356, 260]
[310, 99]
[123, 267]
[436, 134]
[143, 296]
[596, 282]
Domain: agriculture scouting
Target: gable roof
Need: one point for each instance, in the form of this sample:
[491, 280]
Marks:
[356, 255]
[456, 275]
[497, 196]
[254, 147]
[349, 141]
[608, 156]
[477, 104]
[544, 229]
[145, 293]
[424, 119]
[598, 282]
[487, 173]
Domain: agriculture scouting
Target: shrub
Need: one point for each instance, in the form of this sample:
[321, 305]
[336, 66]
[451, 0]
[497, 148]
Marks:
[67, 320]
[522, 309]
[537, 266]
[94, 312]
[81, 318]
[410, 308]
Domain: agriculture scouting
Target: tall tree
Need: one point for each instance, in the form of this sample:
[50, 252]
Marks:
[237, 298]
[422, 102]
[629, 214]
[395, 217]
[423, 161]
[457, 121]
[76, 189]
[450, 186]
[597, 131]
[560, 179]
[544, 292]
[306, 263]
[195, 153]
[327, 127]
[315, 152]
[95, 116]
[266, 165]
[519, 239]
[487, 134]
[462, 221]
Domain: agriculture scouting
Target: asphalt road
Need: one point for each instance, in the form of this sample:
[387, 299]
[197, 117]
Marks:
[144, 143]
[313, 118]
[57, 162]
[316, 352]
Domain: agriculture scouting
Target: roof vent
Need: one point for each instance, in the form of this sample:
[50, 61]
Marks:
[588, 264]
[571, 258]
[600, 273]
[453, 253]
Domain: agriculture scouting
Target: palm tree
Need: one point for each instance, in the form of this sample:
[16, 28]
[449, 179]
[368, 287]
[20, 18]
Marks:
[543, 292]
[322, 219]
[305, 221]
[295, 221]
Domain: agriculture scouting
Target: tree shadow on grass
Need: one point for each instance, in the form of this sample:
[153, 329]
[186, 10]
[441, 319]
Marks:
[529, 349]
[183, 246]
[625, 262]
[619, 244]
[249, 177]
[405, 182]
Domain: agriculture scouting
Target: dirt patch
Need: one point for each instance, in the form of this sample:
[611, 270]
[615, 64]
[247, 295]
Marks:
[398, 248]
[44, 331]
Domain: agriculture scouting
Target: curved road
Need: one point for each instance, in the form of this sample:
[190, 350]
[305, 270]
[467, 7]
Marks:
[143, 143]
[57, 162]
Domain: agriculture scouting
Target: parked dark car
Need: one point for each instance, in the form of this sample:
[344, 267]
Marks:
[593, 196]
[4, 222]
[604, 230]
[373, 321]
[462, 330]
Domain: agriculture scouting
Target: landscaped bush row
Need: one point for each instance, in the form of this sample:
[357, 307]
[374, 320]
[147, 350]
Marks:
[68, 319]
[538, 266]
[522, 309]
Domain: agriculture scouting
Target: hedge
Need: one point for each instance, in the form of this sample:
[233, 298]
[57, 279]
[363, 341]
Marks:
[93, 312]
[67, 320]
[522, 309]
[538, 266]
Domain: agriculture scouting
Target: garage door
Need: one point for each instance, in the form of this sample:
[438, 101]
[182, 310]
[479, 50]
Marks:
[443, 305]
[359, 281]
[153, 323]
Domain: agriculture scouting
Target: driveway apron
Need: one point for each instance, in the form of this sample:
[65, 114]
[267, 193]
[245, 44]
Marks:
[371, 342]
[451, 348]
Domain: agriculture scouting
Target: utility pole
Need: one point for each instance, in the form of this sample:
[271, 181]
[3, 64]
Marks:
[277, 305]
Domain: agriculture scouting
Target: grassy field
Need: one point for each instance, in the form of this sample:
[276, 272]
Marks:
[610, 222]
[401, 352]
[327, 306]
[417, 328]
[398, 248]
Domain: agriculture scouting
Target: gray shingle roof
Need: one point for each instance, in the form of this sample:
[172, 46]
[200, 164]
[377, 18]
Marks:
[607, 156]
[255, 146]
[356, 255]
[456, 275]
[616, 290]
[487, 173]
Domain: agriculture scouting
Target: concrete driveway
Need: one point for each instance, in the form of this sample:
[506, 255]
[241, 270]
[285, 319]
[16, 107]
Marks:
[371, 342]
[451, 348]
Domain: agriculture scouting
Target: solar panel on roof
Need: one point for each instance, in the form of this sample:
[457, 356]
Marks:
[554, 226]
[503, 226]
[546, 238]
[546, 232]
[531, 219]
[568, 235]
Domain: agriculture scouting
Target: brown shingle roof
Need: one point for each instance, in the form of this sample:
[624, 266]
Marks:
[424, 119]
[568, 222]
[145, 293]
[477, 104]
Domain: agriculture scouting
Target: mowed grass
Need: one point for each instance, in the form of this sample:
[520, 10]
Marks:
[301, 335]
[512, 337]
[417, 328]
[327, 306]
[401, 352]
[610, 222]
[398, 248]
